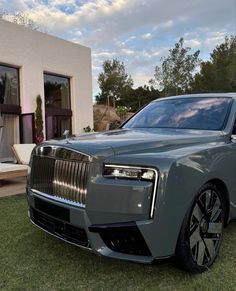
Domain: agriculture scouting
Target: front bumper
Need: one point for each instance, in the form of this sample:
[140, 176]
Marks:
[116, 240]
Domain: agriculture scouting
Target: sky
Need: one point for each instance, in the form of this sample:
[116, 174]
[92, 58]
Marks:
[136, 32]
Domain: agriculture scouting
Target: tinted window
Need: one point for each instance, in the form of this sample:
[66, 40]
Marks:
[57, 91]
[9, 85]
[188, 113]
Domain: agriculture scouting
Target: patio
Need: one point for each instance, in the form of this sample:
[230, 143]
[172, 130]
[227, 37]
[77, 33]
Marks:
[12, 187]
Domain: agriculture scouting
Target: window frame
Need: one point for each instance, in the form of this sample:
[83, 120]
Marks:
[12, 108]
[56, 112]
[69, 89]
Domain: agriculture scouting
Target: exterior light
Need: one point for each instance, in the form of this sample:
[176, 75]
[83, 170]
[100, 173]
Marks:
[126, 172]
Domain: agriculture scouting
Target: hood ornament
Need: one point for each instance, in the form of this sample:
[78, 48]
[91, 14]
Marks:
[66, 134]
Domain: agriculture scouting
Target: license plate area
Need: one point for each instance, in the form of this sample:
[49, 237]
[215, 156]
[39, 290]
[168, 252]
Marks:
[59, 228]
[52, 209]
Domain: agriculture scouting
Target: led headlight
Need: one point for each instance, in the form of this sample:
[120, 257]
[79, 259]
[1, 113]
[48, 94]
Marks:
[135, 173]
[127, 172]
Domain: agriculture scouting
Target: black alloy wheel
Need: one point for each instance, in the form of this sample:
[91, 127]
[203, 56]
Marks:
[202, 230]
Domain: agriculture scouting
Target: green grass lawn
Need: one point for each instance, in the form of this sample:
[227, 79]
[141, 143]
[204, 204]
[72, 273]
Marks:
[33, 260]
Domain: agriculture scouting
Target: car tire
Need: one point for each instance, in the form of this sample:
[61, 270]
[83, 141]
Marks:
[202, 230]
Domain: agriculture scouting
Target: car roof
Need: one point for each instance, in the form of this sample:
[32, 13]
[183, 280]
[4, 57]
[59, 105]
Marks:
[202, 95]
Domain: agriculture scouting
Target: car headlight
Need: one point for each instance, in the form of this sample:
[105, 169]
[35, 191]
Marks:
[128, 172]
[134, 173]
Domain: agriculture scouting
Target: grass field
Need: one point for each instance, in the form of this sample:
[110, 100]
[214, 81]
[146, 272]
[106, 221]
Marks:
[33, 260]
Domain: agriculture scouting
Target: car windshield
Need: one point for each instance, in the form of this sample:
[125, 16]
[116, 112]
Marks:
[183, 113]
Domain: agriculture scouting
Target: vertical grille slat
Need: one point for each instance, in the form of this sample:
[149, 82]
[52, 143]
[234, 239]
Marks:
[77, 183]
[84, 182]
[63, 175]
[61, 178]
[55, 184]
[80, 182]
[73, 181]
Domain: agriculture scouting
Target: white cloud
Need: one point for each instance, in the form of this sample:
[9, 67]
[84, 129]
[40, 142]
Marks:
[166, 24]
[213, 39]
[141, 79]
[78, 33]
[193, 43]
[13, 5]
[146, 36]
[127, 13]
[120, 17]
[127, 51]
[104, 54]
[116, 29]
[132, 37]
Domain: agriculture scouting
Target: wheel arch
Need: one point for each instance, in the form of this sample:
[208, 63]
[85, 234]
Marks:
[182, 250]
[221, 186]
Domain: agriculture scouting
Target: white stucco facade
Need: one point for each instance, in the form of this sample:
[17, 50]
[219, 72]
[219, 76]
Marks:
[36, 53]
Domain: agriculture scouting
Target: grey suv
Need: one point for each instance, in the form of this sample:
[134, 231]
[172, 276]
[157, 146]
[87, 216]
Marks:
[161, 185]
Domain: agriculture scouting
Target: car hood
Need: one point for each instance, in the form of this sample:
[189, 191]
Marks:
[137, 140]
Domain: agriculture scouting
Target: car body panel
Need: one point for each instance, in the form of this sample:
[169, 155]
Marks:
[184, 160]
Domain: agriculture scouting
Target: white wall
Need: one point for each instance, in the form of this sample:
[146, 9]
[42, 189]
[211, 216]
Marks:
[34, 53]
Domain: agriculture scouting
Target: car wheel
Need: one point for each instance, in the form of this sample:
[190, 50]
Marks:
[202, 230]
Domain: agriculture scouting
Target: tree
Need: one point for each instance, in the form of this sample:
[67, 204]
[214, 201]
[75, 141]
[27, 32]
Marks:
[20, 18]
[176, 72]
[137, 98]
[112, 82]
[39, 120]
[218, 74]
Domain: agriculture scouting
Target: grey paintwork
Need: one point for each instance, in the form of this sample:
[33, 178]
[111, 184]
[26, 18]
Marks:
[184, 159]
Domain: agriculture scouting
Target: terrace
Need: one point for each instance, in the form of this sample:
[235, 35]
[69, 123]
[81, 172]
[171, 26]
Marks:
[10, 187]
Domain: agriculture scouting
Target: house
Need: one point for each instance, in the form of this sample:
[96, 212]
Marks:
[34, 63]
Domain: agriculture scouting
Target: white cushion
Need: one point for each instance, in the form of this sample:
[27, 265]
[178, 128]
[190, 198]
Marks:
[12, 171]
[23, 152]
[12, 167]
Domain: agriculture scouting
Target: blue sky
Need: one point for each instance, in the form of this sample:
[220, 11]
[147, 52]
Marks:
[137, 32]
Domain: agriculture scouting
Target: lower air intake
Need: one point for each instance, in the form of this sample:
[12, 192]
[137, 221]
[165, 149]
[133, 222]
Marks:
[123, 239]
[59, 228]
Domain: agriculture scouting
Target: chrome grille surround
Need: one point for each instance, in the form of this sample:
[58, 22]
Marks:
[60, 173]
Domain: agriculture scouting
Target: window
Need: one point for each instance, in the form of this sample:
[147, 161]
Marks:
[57, 91]
[27, 128]
[57, 105]
[9, 110]
[9, 86]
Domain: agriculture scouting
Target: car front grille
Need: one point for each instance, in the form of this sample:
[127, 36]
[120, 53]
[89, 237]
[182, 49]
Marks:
[61, 173]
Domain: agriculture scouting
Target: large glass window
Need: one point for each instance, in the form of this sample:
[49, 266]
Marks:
[27, 128]
[9, 85]
[9, 111]
[57, 91]
[57, 105]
